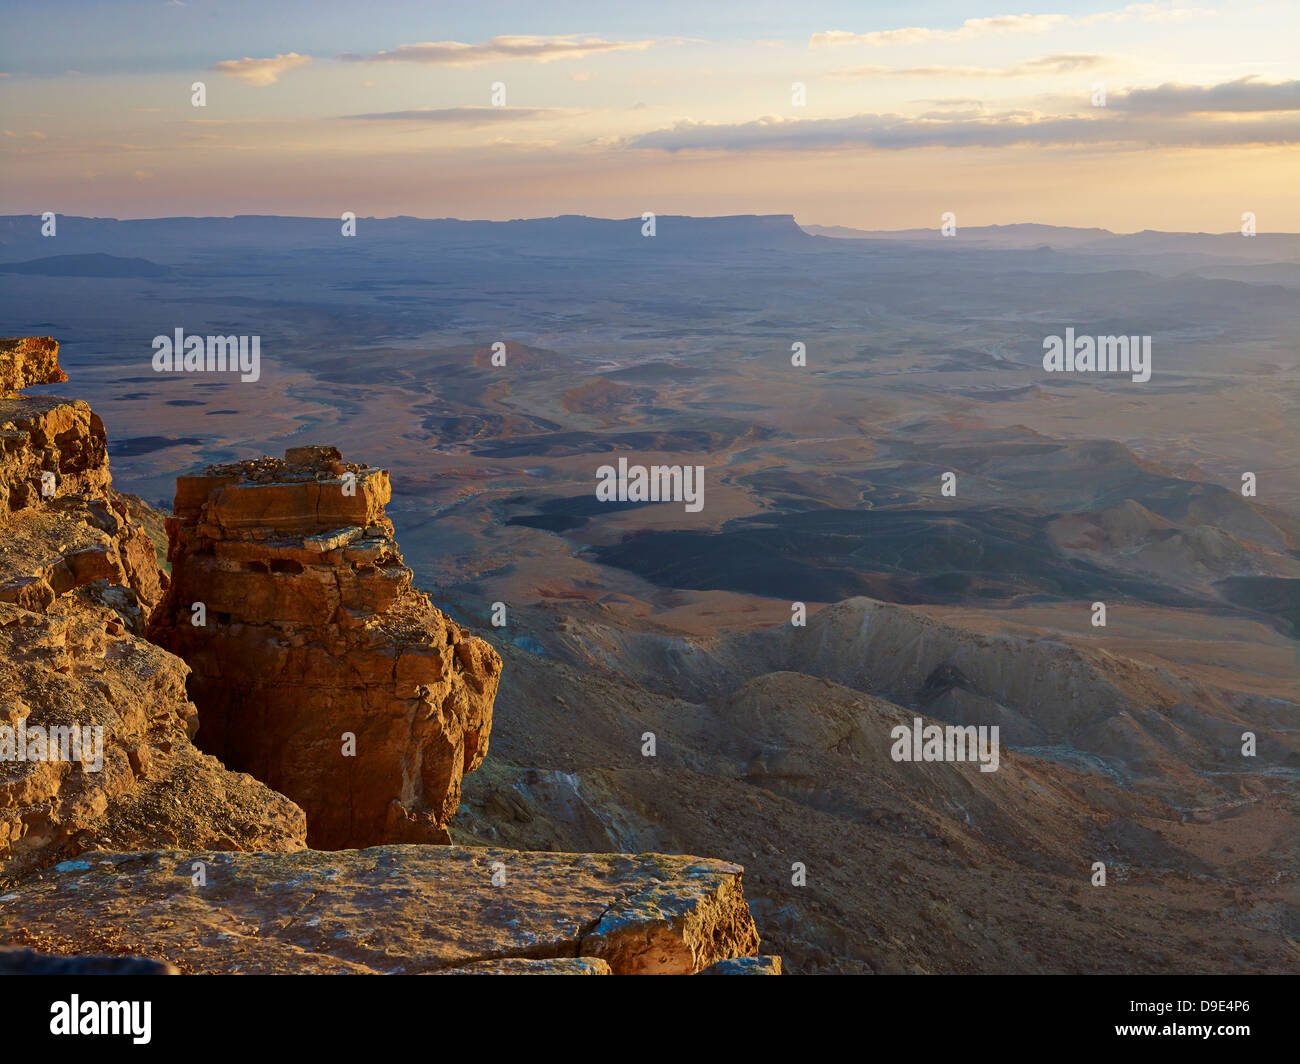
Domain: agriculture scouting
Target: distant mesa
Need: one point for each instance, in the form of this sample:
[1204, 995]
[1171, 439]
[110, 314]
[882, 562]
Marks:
[583, 235]
[96, 264]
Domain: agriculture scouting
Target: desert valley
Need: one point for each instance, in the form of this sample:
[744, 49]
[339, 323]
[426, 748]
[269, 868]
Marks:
[903, 517]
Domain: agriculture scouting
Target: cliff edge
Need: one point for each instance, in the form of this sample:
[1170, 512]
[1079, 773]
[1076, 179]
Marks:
[316, 666]
[95, 722]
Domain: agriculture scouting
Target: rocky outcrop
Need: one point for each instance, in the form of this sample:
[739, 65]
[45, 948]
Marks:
[64, 526]
[77, 577]
[52, 546]
[26, 361]
[446, 910]
[528, 966]
[138, 782]
[317, 667]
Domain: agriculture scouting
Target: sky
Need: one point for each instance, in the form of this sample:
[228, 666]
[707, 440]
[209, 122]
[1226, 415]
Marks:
[1170, 115]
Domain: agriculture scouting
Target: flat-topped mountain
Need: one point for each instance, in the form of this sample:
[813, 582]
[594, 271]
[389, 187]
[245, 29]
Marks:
[579, 233]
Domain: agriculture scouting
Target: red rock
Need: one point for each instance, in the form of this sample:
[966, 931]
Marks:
[314, 632]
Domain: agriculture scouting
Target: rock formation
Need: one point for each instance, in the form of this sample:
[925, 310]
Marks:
[317, 667]
[445, 910]
[26, 361]
[64, 525]
[312, 630]
[77, 577]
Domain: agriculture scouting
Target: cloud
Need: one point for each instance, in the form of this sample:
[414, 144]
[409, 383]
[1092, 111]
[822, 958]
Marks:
[538, 49]
[950, 113]
[462, 116]
[997, 25]
[896, 132]
[261, 72]
[1048, 64]
[972, 27]
[1247, 94]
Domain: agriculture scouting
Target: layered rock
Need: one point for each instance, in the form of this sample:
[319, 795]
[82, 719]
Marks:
[142, 784]
[77, 575]
[313, 631]
[44, 435]
[26, 361]
[317, 667]
[64, 526]
[446, 910]
[54, 546]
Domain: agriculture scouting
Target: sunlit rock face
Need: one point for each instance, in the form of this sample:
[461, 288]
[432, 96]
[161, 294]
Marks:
[95, 723]
[317, 667]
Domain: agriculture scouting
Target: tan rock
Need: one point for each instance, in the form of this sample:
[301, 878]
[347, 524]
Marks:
[314, 634]
[28, 360]
[74, 665]
[46, 434]
[78, 574]
[439, 911]
[53, 547]
[527, 966]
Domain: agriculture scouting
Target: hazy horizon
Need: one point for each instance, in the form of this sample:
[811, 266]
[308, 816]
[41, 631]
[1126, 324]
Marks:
[1129, 117]
[801, 223]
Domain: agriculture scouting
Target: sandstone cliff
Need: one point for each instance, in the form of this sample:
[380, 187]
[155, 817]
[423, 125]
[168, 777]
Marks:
[312, 630]
[77, 576]
[64, 525]
[317, 667]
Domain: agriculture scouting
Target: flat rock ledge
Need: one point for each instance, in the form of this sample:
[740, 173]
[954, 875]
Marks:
[403, 909]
